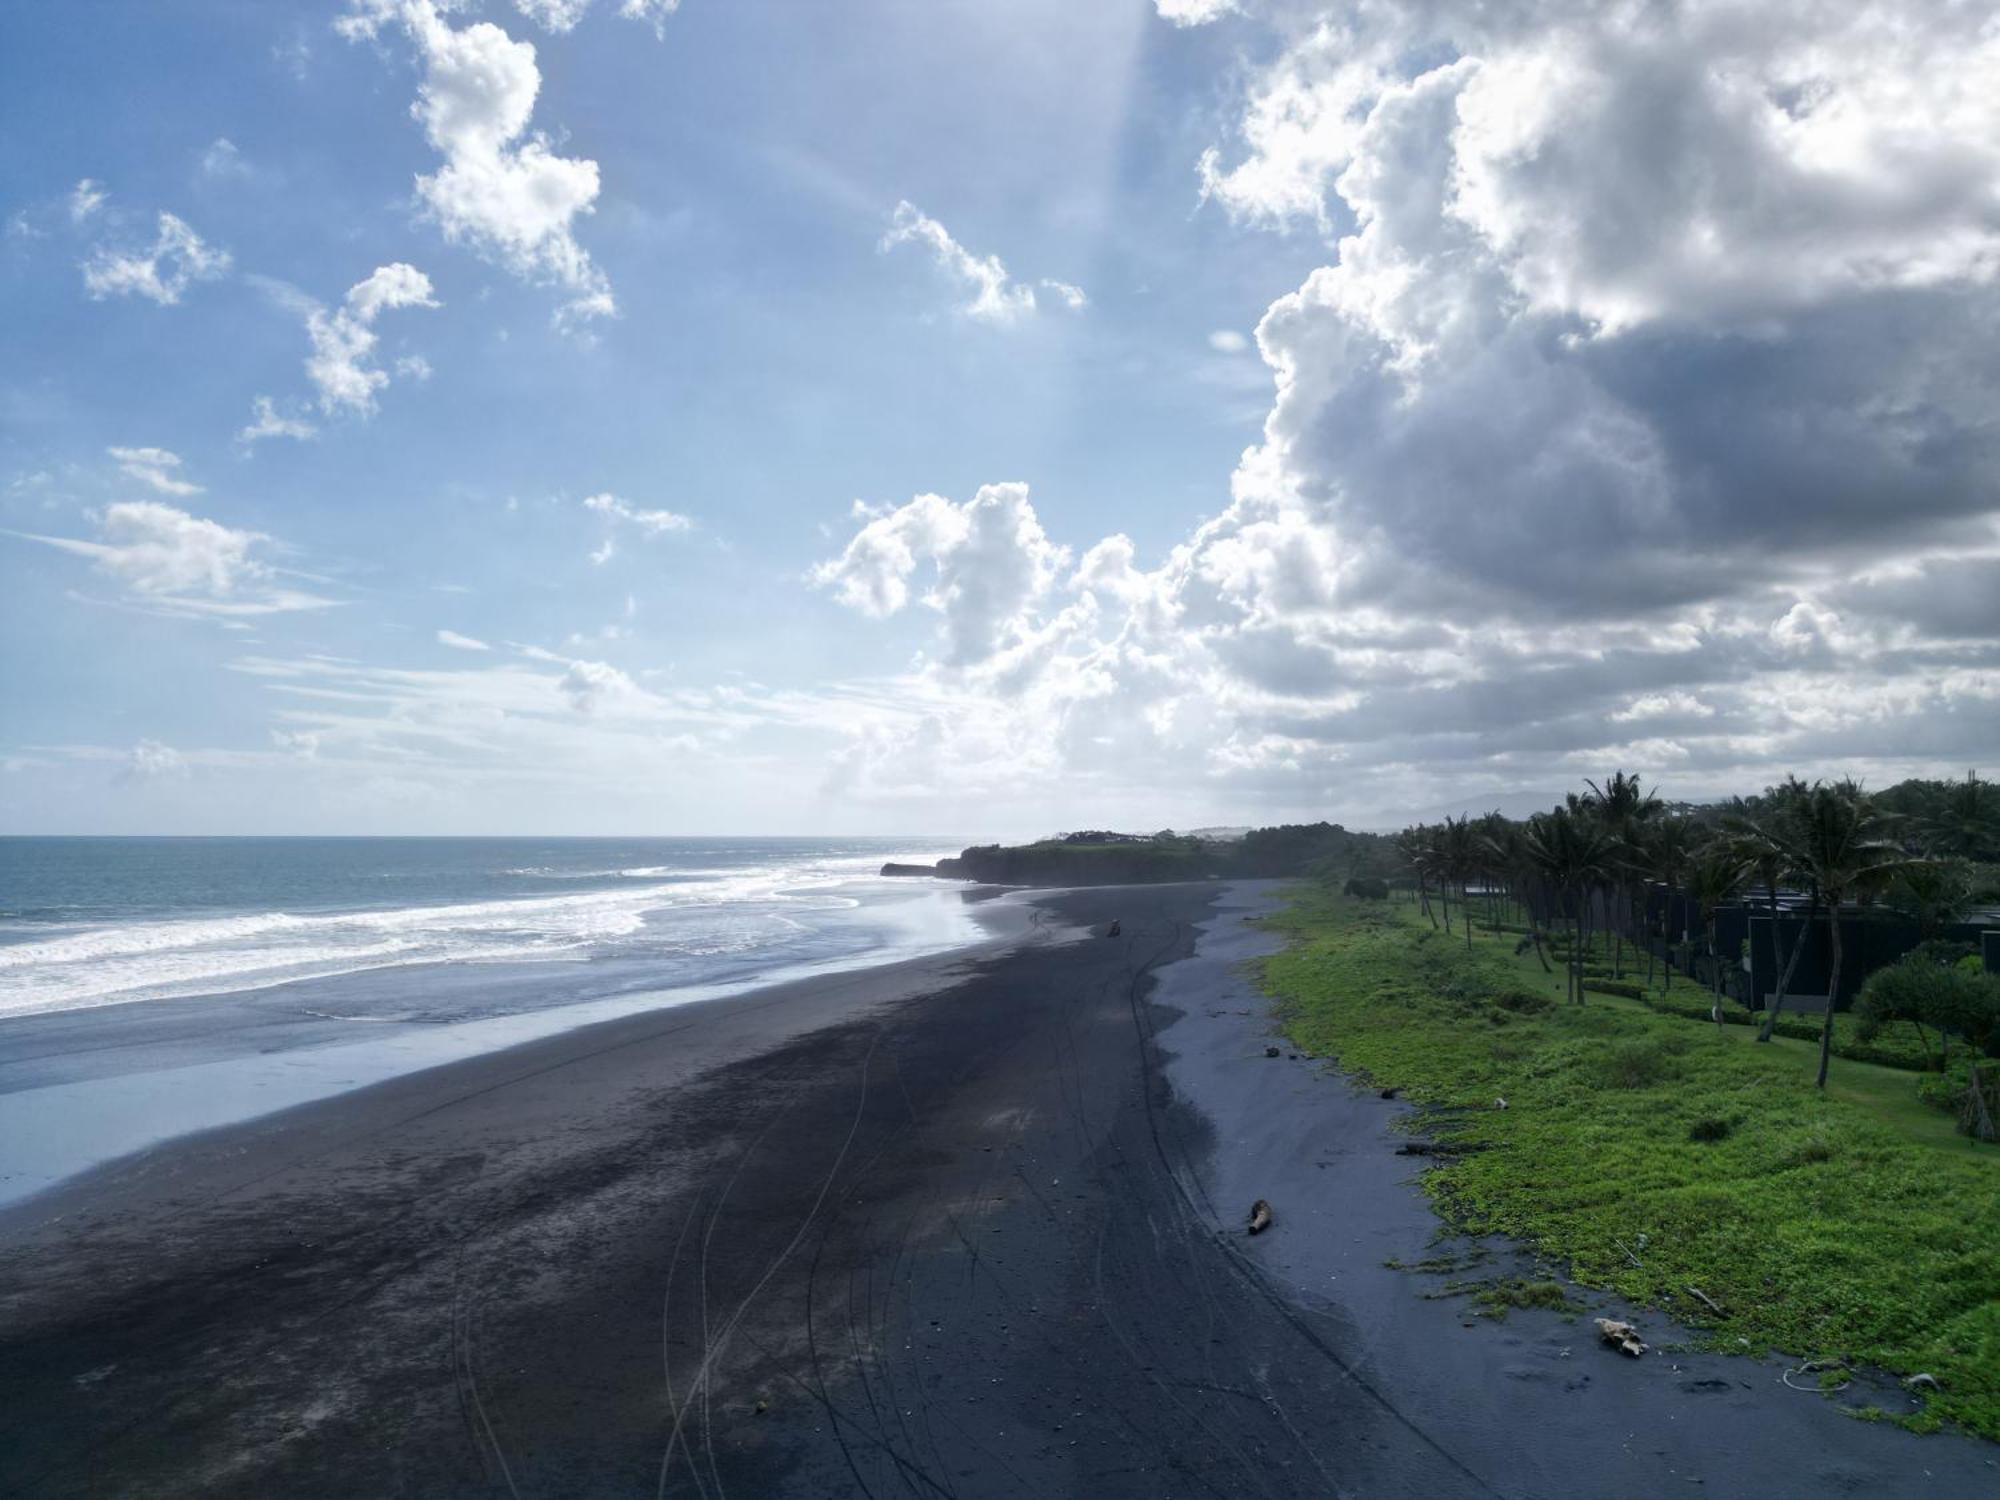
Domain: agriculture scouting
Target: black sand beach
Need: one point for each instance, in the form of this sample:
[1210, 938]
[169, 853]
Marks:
[964, 1226]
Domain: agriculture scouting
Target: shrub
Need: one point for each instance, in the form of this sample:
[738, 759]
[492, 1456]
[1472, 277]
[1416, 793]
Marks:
[1922, 992]
[1710, 1130]
[1638, 1063]
[1524, 1002]
[1625, 987]
[1366, 888]
[1946, 1090]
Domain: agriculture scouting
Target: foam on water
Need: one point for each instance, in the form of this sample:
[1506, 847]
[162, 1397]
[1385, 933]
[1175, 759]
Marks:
[685, 911]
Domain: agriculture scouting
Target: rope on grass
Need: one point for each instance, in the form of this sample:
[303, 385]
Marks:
[1814, 1367]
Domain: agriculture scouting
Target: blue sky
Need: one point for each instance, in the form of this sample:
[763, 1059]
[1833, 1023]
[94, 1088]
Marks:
[621, 446]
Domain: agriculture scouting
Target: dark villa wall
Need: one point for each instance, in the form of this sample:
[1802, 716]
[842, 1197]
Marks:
[1869, 939]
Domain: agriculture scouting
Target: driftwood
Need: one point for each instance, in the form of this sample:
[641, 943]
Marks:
[1260, 1216]
[1622, 1336]
[1708, 1301]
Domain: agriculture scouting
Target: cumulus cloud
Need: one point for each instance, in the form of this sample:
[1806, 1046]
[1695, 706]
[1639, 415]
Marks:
[1227, 341]
[461, 642]
[155, 468]
[343, 339]
[502, 188]
[1617, 307]
[178, 563]
[161, 272]
[988, 562]
[995, 296]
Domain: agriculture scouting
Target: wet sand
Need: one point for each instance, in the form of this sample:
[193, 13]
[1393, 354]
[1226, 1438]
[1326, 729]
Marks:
[963, 1226]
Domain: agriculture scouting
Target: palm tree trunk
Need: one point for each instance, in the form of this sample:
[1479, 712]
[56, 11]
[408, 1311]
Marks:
[1576, 952]
[1785, 979]
[1715, 978]
[1832, 985]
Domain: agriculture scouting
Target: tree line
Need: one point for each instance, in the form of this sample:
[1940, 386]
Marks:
[1584, 873]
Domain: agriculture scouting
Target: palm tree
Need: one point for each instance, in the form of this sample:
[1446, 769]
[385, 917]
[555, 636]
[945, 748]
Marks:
[1458, 859]
[1764, 847]
[1573, 853]
[1414, 844]
[1838, 842]
[1507, 855]
[1667, 847]
[1624, 807]
[1967, 819]
[1933, 894]
[1715, 875]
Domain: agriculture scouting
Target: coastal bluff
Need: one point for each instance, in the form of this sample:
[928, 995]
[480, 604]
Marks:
[1097, 857]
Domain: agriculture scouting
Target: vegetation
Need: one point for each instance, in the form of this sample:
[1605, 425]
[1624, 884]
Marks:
[1614, 874]
[1099, 858]
[1653, 1155]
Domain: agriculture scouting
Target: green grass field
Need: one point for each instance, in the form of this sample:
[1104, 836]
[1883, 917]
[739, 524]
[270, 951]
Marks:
[1852, 1224]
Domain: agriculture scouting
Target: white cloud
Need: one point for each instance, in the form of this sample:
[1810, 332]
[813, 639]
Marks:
[990, 563]
[1227, 341]
[221, 160]
[653, 12]
[155, 468]
[182, 564]
[652, 522]
[266, 421]
[85, 199]
[593, 685]
[462, 642]
[561, 16]
[502, 188]
[1661, 706]
[177, 258]
[151, 760]
[343, 340]
[557, 16]
[1194, 12]
[603, 552]
[995, 297]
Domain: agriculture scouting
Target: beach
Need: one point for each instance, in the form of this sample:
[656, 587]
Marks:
[966, 1224]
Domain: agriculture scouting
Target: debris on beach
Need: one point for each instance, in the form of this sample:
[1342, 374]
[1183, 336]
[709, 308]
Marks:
[1115, 928]
[1499, 1103]
[1260, 1216]
[1391, 1093]
[1622, 1336]
[1272, 1051]
[1924, 1382]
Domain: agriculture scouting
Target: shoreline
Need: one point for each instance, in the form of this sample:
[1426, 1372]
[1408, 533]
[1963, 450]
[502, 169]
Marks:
[971, 1227]
[88, 1086]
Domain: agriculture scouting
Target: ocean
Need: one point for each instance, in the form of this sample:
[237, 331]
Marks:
[101, 921]
[150, 987]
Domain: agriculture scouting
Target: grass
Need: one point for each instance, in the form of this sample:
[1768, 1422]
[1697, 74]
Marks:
[1854, 1223]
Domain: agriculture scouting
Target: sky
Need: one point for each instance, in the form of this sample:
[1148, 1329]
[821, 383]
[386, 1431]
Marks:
[748, 416]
